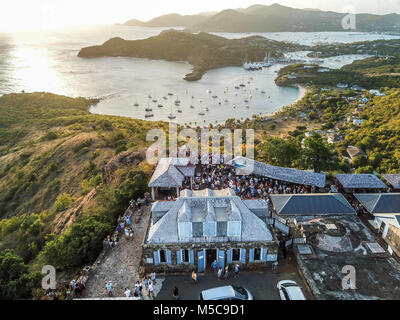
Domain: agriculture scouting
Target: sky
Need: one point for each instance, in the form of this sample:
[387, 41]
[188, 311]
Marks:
[18, 15]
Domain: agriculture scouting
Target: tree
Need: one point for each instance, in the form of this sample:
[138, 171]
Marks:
[15, 280]
[318, 154]
[280, 152]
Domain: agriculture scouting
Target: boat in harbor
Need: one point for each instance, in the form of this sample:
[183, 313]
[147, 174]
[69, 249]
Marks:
[160, 105]
[148, 109]
[171, 116]
[136, 104]
[192, 107]
[149, 115]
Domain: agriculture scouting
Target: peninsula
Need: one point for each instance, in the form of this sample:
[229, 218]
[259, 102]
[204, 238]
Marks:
[203, 51]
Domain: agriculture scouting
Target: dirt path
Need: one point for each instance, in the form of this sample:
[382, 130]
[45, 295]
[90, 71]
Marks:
[120, 265]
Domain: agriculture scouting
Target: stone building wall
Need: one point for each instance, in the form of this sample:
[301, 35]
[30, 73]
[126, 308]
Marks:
[393, 239]
[148, 251]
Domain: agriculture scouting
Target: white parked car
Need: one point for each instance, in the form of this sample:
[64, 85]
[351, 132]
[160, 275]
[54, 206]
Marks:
[226, 293]
[290, 290]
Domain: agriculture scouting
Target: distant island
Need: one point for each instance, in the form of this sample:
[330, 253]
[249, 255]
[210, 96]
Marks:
[204, 51]
[273, 18]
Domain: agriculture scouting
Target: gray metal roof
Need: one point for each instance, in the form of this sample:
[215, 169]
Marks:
[379, 203]
[360, 181]
[311, 204]
[204, 209]
[248, 166]
[170, 172]
[393, 180]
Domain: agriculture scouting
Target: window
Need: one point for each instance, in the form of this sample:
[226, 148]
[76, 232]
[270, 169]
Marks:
[163, 257]
[222, 227]
[185, 255]
[197, 229]
[235, 254]
[257, 254]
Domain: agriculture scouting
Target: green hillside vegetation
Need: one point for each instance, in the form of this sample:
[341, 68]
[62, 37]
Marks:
[54, 157]
[381, 47]
[379, 135]
[203, 51]
[370, 73]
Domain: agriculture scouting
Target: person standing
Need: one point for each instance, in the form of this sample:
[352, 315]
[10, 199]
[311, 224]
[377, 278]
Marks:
[127, 292]
[175, 294]
[236, 271]
[153, 277]
[214, 265]
[226, 273]
[109, 288]
[151, 289]
[219, 273]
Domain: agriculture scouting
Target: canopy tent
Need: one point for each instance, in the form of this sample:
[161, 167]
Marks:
[360, 181]
[311, 204]
[248, 166]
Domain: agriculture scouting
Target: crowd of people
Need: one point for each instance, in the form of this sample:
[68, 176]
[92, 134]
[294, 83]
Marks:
[148, 282]
[221, 176]
[78, 289]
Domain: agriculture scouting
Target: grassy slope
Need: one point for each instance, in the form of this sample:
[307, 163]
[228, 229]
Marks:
[52, 148]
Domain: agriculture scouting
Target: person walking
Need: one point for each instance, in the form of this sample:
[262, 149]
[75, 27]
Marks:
[109, 289]
[151, 289]
[219, 273]
[236, 271]
[226, 273]
[153, 277]
[127, 292]
[194, 277]
[175, 294]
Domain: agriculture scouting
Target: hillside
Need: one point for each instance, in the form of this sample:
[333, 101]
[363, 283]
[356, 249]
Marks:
[203, 51]
[278, 18]
[169, 20]
[65, 176]
[370, 73]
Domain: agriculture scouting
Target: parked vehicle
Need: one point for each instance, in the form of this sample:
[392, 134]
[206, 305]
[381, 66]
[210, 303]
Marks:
[290, 290]
[226, 293]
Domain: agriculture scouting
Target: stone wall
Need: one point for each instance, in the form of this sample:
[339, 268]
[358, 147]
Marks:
[148, 250]
[393, 239]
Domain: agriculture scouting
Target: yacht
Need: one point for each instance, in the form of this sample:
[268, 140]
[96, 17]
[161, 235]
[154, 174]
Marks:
[171, 116]
[201, 113]
[149, 115]
[170, 94]
[160, 105]
[154, 100]
[148, 109]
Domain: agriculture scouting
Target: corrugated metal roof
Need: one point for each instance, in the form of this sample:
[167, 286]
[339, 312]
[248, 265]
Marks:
[248, 166]
[171, 172]
[311, 204]
[360, 181]
[393, 180]
[378, 203]
[165, 230]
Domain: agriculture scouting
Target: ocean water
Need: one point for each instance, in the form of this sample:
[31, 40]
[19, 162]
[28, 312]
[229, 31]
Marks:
[47, 61]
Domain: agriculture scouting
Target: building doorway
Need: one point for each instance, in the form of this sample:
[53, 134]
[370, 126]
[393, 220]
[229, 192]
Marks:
[211, 255]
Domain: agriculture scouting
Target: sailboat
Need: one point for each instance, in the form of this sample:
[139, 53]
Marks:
[136, 104]
[171, 115]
